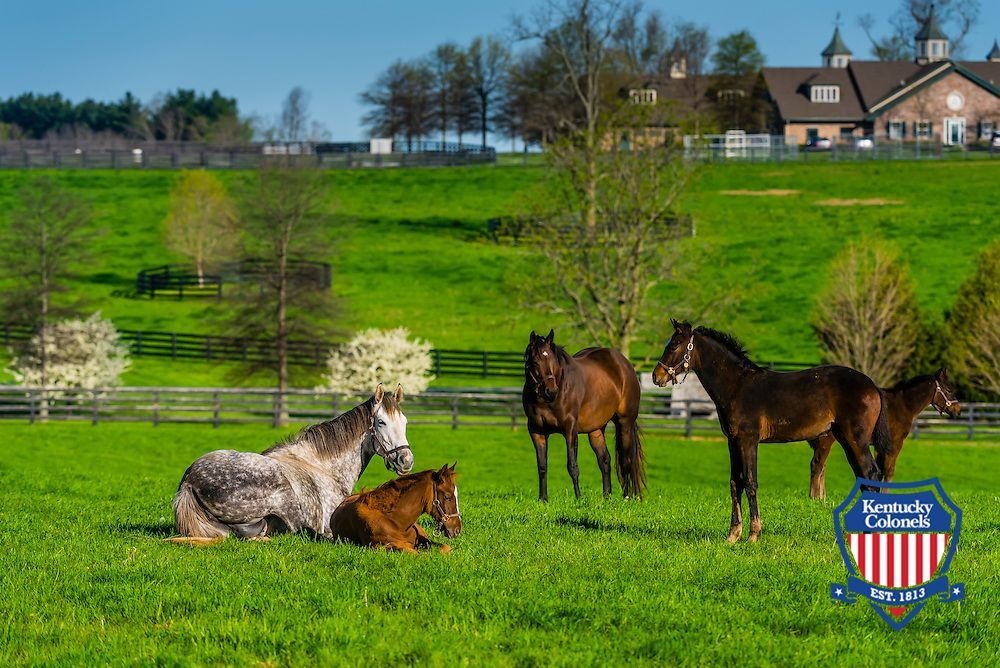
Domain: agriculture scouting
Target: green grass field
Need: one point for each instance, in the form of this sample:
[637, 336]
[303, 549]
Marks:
[86, 580]
[411, 248]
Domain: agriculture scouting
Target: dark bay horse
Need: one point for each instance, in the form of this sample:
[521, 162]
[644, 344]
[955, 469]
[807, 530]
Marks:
[904, 402]
[757, 405]
[568, 395]
[295, 485]
[386, 516]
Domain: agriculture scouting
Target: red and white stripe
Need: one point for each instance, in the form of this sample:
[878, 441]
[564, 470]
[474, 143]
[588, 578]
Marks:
[897, 559]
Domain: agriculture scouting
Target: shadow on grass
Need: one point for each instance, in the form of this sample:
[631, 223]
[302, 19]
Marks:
[142, 529]
[591, 524]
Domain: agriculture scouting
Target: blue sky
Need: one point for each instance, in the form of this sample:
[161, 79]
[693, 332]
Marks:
[257, 51]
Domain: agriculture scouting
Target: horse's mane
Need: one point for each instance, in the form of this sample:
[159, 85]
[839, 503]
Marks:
[730, 343]
[334, 436]
[910, 383]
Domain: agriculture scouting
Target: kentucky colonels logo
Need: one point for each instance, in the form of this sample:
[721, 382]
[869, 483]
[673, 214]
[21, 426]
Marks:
[897, 545]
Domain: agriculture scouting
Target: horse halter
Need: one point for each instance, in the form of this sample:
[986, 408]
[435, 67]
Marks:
[382, 447]
[685, 362]
[947, 402]
[442, 516]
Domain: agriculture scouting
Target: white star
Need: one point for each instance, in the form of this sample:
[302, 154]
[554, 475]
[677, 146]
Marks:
[839, 591]
[956, 591]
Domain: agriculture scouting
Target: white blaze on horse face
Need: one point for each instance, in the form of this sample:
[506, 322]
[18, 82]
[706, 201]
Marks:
[391, 430]
[457, 511]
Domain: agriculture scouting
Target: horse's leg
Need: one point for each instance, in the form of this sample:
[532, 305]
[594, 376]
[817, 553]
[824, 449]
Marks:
[817, 469]
[572, 443]
[541, 442]
[735, 490]
[748, 450]
[854, 442]
[195, 541]
[887, 463]
[600, 447]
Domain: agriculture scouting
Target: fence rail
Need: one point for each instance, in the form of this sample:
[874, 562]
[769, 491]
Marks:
[445, 362]
[216, 406]
[209, 158]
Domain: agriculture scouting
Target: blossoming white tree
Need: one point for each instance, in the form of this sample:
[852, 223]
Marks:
[379, 356]
[78, 353]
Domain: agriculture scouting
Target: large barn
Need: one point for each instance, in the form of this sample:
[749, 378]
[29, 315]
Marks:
[932, 98]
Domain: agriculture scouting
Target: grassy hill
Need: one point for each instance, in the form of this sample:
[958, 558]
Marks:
[411, 248]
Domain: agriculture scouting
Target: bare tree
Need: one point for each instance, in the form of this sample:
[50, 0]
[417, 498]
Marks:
[867, 318]
[444, 63]
[201, 222]
[295, 115]
[487, 61]
[45, 242]
[956, 16]
[402, 101]
[580, 34]
[972, 345]
[600, 276]
[282, 214]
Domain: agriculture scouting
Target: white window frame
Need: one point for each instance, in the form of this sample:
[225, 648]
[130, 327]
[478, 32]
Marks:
[824, 93]
[951, 122]
[985, 133]
[896, 129]
[923, 129]
[643, 95]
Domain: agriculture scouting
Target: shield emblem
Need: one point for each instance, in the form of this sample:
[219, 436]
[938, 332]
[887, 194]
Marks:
[897, 544]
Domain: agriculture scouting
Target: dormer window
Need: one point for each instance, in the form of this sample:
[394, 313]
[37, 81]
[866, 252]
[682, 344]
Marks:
[643, 95]
[824, 93]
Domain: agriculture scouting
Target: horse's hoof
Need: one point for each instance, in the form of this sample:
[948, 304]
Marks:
[752, 538]
[734, 534]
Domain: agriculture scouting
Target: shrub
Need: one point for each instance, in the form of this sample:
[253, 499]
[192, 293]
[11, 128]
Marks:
[868, 318]
[379, 356]
[77, 353]
[972, 334]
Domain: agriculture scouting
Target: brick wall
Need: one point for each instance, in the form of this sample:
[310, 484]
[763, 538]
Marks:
[931, 104]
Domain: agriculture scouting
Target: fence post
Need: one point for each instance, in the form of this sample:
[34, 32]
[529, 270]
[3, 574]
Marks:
[687, 418]
[138, 343]
[972, 426]
[486, 364]
[31, 407]
[915, 430]
[156, 408]
[96, 410]
[513, 416]
[276, 409]
[454, 413]
[215, 409]
[173, 345]
[208, 347]
[437, 362]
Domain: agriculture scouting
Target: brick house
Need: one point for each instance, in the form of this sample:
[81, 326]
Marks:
[932, 98]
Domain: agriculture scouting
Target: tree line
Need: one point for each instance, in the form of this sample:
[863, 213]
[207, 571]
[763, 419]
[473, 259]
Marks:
[530, 93]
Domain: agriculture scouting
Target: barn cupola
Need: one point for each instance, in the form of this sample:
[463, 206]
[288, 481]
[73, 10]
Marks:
[994, 55]
[931, 42]
[836, 53]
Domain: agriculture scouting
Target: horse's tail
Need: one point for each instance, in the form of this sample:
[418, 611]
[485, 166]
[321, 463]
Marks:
[630, 461]
[882, 437]
[191, 517]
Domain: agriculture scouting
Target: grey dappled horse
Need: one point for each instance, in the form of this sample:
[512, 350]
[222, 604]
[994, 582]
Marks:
[294, 485]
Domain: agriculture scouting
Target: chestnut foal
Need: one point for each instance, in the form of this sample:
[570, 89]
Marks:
[387, 516]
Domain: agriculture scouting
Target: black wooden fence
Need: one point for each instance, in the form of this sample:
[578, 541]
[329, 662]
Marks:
[446, 362]
[217, 406]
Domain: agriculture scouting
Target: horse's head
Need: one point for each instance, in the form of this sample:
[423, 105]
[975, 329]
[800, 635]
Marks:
[389, 430]
[944, 399]
[444, 508]
[677, 355]
[542, 367]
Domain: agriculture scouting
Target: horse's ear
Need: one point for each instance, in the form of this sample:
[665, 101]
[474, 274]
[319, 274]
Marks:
[533, 336]
[398, 394]
[379, 393]
[551, 336]
[942, 374]
[454, 465]
[677, 325]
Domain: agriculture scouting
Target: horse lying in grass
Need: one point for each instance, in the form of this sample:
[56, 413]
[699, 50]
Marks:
[295, 485]
[386, 516]
[757, 405]
[904, 402]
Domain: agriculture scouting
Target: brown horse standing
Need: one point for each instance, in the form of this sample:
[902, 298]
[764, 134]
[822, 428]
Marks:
[581, 393]
[757, 405]
[904, 402]
[387, 515]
